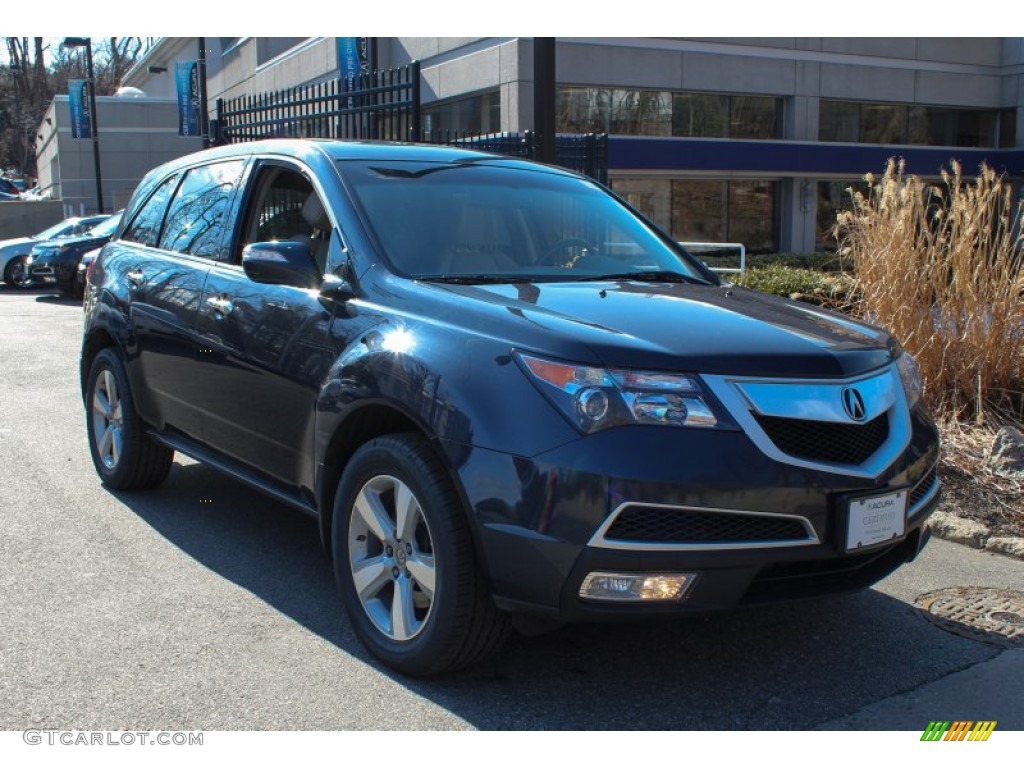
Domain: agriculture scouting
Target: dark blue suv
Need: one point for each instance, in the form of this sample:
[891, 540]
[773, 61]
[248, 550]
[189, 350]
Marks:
[507, 397]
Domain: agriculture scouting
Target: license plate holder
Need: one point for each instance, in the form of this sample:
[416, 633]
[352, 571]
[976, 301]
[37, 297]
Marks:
[876, 519]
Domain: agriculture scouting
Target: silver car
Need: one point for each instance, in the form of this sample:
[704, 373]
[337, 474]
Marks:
[14, 252]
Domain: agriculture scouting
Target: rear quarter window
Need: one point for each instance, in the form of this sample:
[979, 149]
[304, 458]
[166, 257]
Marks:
[145, 227]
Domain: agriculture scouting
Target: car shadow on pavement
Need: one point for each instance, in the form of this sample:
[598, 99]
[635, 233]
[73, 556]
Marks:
[59, 298]
[788, 666]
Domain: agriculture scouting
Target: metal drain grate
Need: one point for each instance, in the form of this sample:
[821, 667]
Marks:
[987, 614]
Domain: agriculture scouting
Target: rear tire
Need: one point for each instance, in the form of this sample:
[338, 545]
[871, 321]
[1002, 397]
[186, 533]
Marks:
[405, 563]
[125, 457]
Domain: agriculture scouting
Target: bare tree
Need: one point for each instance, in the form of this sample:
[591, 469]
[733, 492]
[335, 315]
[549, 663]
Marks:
[28, 84]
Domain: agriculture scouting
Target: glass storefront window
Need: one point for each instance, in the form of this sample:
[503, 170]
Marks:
[868, 123]
[833, 196]
[700, 114]
[476, 114]
[637, 112]
[753, 117]
[1008, 128]
[883, 124]
[707, 211]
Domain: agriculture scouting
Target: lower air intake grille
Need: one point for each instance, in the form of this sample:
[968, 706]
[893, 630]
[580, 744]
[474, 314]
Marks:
[666, 525]
[826, 440]
[924, 486]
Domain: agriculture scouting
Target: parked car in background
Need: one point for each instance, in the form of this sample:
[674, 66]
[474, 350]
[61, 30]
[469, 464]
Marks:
[14, 253]
[9, 190]
[57, 260]
[83, 269]
[507, 398]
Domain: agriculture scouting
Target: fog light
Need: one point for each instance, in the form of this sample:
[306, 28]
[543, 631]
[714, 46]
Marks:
[636, 587]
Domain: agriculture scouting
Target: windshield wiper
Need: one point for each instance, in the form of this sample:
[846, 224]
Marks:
[654, 276]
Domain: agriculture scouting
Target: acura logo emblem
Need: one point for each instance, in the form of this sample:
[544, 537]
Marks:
[853, 404]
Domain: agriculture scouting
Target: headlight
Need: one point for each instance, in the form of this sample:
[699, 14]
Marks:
[910, 374]
[597, 398]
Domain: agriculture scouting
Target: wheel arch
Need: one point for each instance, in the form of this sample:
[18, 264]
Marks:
[369, 421]
[95, 342]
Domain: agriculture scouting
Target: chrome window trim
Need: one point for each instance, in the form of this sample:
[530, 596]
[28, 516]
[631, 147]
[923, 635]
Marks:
[599, 540]
[740, 403]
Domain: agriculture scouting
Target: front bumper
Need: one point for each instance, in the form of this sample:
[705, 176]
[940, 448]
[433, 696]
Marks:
[538, 521]
[49, 272]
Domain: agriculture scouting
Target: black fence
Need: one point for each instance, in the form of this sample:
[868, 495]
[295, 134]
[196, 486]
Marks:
[583, 153]
[384, 104]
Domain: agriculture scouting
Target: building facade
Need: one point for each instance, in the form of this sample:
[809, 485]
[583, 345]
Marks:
[135, 135]
[743, 140]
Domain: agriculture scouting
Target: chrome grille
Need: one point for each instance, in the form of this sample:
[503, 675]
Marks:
[834, 442]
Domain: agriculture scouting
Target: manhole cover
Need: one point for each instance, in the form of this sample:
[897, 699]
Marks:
[990, 615]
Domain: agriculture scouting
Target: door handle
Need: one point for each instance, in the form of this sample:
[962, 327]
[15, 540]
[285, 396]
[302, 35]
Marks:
[221, 304]
[135, 277]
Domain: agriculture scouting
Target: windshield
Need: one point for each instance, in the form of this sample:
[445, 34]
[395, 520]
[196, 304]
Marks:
[107, 227]
[479, 222]
[58, 229]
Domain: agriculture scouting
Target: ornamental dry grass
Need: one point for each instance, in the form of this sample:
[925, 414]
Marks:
[940, 265]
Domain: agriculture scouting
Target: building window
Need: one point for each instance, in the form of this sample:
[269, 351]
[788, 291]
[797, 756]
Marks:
[474, 114]
[707, 211]
[1008, 128]
[833, 196]
[637, 112]
[867, 123]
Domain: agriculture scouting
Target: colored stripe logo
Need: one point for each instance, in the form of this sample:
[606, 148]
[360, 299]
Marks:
[959, 730]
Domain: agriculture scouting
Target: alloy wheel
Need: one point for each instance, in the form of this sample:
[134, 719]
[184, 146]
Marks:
[107, 419]
[391, 557]
[20, 275]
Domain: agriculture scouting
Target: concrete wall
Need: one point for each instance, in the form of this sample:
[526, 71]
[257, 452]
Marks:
[135, 135]
[22, 219]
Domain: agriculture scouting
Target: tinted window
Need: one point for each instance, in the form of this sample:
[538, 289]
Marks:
[287, 208]
[467, 219]
[198, 215]
[145, 229]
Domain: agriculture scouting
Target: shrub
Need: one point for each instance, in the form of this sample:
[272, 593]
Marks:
[810, 285]
[941, 267]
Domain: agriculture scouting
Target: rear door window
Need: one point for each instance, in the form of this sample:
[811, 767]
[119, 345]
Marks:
[198, 216]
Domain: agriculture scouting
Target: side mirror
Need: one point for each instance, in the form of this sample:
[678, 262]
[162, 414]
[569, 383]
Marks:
[336, 288]
[281, 263]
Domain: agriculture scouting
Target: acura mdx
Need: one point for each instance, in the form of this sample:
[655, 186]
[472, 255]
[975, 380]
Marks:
[506, 396]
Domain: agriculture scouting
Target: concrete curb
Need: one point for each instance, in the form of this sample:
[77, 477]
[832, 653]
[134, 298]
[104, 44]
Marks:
[973, 534]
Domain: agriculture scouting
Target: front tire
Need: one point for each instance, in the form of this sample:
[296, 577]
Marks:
[405, 563]
[124, 455]
[16, 273]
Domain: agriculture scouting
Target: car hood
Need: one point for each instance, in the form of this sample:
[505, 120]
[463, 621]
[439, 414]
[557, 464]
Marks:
[15, 245]
[69, 246]
[723, 330]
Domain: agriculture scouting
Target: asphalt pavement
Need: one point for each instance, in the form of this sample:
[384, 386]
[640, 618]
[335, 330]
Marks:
[205, 605]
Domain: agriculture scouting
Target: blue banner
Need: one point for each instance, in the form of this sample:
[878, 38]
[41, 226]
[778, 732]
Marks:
[78, 102]
[188, 84]
[353, 59]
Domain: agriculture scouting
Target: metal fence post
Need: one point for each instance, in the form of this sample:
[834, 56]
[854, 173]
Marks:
[414, 130]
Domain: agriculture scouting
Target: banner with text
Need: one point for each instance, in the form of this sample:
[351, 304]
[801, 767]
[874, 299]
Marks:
[354, 59]
[78, 102]
[188, 82]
